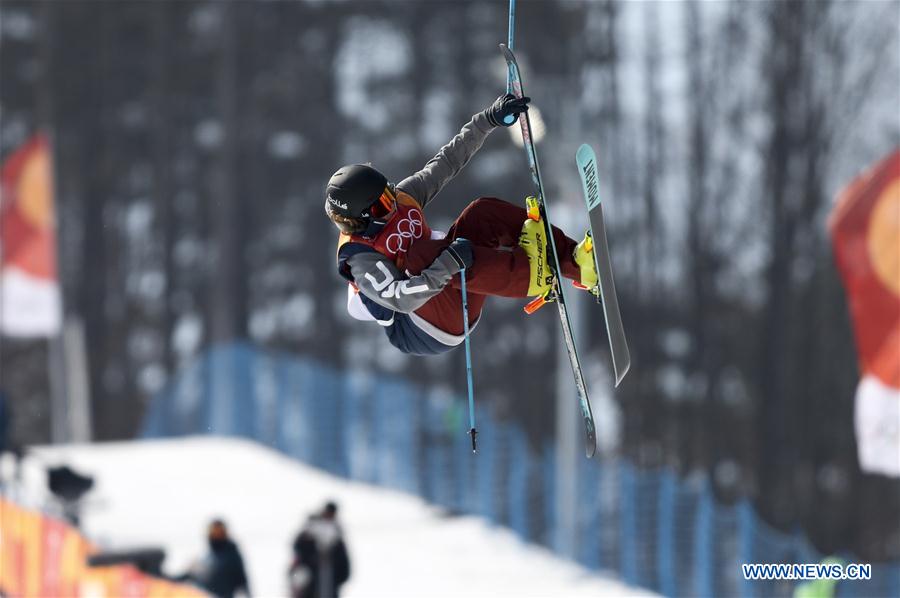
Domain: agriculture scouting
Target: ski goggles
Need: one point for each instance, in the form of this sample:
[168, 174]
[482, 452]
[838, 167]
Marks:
[385, 205]
[380, 213]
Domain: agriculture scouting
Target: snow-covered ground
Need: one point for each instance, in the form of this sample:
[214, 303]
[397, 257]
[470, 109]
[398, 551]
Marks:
[164, 492]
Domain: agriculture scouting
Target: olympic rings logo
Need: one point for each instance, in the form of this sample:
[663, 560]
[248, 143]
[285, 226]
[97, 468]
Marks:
[407, 229]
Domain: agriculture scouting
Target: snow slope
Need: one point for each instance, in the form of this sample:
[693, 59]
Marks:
[164, 492]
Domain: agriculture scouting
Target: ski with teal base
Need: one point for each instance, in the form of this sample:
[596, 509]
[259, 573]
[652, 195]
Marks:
[605, 291]
[555, 295]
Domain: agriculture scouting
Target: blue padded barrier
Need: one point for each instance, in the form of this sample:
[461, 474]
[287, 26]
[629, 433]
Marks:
[655, 528]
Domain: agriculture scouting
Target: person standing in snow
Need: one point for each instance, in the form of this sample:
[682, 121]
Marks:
[221, 572]
[405, 276]
[321, 564]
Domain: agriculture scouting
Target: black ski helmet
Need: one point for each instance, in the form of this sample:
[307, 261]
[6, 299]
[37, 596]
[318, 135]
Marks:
[353, 189]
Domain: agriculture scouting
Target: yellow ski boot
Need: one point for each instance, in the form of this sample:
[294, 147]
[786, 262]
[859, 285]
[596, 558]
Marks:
[584, 257]
[534, 241]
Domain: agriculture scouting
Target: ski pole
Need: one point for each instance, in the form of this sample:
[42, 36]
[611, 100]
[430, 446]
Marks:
[512, 23]
[465, 307]
[509, 118]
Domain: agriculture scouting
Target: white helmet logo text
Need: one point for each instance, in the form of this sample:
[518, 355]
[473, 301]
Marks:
[336, 203]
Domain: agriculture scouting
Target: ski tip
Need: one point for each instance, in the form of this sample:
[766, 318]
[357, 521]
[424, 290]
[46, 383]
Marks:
[590, 438]
[585, 153]
[621, 375]
[590, 448]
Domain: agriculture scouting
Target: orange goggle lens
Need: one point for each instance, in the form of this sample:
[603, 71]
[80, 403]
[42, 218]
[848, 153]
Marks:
[384, 205]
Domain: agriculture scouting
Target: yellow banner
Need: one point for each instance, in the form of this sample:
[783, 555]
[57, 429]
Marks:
[41, 556]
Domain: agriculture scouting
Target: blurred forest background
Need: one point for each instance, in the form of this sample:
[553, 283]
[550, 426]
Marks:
[192, 141]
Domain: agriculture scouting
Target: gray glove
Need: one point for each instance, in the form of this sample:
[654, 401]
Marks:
[461, 252]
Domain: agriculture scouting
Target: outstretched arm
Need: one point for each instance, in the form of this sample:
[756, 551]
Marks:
[446, 164]
[381, 281]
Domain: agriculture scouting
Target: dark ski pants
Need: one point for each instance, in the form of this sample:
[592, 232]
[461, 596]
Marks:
[500, 266]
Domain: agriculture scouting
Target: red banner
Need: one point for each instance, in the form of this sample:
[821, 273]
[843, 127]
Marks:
[865, 231]
[28, 282]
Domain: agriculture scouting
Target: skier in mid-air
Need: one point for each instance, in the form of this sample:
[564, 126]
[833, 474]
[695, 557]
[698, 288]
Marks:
[405, 276]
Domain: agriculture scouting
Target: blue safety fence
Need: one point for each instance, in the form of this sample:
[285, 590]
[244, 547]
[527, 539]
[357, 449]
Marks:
[652, 527]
